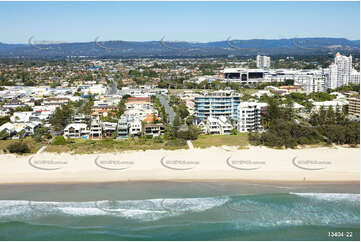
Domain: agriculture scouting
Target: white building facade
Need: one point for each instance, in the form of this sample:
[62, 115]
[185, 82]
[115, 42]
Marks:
[249, 116]
[263, 61]
[339, 73]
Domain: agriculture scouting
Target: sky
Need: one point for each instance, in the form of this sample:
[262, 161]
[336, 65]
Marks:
[175, 21]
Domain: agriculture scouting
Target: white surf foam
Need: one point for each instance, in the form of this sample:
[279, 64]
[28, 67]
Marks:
[331, 196]
[151, 209]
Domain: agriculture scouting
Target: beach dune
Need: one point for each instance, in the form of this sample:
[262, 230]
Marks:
[216, 163]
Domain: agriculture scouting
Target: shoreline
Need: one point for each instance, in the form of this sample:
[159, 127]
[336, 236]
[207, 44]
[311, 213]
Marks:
[261, 182]
[216, 164]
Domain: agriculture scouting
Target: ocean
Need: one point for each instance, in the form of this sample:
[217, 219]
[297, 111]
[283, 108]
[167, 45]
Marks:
[180, 211]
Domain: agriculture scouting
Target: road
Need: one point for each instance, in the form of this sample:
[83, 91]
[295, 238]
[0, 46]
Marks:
[76, 111]
[168, 109]
[113, 88]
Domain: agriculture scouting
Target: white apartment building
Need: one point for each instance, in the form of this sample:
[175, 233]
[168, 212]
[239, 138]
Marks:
[249, 116]
[344, 68]
[263, 61]
[355, 77]
[315, 83]
[332, 77]
[339, 73]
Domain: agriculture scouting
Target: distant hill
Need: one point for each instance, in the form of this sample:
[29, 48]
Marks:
[131, 49]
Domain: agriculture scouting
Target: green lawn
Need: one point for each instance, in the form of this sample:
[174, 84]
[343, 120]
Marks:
[204, 141]
[82, 146]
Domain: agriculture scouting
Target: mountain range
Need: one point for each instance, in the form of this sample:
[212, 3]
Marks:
[162, 48]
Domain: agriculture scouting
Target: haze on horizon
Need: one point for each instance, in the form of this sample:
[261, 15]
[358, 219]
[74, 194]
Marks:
[177, 21]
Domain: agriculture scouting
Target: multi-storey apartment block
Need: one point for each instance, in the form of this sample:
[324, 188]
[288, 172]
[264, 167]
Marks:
[216, 104]
[249, 116]
[340, 72]
[263, 61]
[354, 106]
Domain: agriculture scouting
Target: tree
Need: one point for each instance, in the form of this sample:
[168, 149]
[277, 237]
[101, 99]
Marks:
[191, 133]
[289, 82]
[3, 134]
[59, 140]
[19, 148]
[4, 120]
[61, 117]
[176, 121]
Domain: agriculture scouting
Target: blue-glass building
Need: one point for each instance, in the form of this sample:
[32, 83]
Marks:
[216, 104]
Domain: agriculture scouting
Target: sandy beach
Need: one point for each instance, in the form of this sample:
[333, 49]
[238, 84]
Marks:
[221, 163]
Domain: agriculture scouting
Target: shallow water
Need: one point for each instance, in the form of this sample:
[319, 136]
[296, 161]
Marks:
[179, 211]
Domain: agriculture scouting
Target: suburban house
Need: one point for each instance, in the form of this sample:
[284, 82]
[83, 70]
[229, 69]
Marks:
[138, 103]
[21, 117]
[81, 118]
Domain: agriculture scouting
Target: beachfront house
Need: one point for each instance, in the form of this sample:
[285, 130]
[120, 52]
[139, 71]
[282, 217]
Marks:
[220, 125]
[76, 130]
[123, 128]
[109, 129]
[153, 130]
[96, 129]
[135, 127]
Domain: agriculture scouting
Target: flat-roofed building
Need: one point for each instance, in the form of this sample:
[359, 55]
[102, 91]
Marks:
[76, 130]
[55, 101]
[96, 129]
[263, 61]
[219, 125]
[250, 116]
[153, 130]
[329, 104]
[354, 106]
[216, 104]
[123, 128]
[243, 76]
